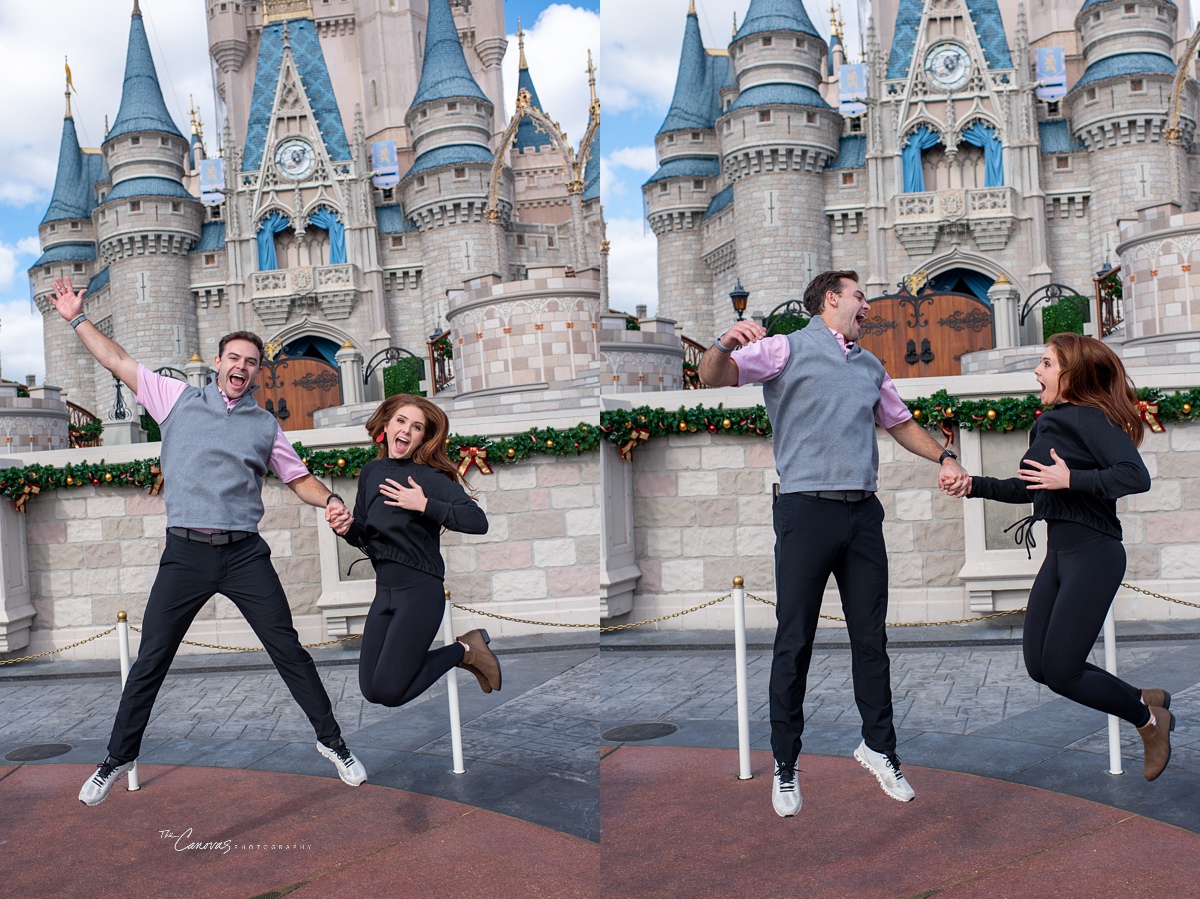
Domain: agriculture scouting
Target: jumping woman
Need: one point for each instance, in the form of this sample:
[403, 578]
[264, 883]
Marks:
[405, 497]
[1082, 456]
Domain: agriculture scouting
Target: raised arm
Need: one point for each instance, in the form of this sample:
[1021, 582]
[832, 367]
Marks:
[717, 368]
[105, 350]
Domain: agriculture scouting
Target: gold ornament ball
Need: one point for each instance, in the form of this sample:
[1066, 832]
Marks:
[70, 481]
[108, 477]
[692, 429]
[916, 413]
[991, 414]
[341, 463]
[683, 426]
[511, 452]
[1187, 408]
[726, 423]
[549, 443]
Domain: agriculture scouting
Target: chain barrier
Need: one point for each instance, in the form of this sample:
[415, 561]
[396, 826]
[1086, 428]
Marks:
[604, 630]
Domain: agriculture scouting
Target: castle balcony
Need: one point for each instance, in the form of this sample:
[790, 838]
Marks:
[331, 290]
[989, 213]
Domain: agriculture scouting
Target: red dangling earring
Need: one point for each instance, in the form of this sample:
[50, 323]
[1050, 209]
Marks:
[379, 439]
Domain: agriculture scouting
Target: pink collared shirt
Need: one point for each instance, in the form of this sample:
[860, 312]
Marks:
[765, 359]
[158, 394]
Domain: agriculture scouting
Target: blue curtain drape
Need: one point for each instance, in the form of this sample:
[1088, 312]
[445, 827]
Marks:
[981, 135]
[326, 218]
[977, 283]
[271, 225]
[921, 139]
[310, 345]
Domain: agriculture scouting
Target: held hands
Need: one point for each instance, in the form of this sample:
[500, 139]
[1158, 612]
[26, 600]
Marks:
[68, 303]
[412, 498]
[338, 517]
[1046, 477]
[742, 334]
[953, 479]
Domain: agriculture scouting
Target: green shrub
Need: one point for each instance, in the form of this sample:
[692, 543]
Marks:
[786, 324]
[632, 324]
[1062, 317]
[404, 377]
[150, 426]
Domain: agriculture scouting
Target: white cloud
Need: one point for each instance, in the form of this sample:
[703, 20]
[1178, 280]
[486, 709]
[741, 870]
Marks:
[632, 265]
[16, 259]
[621, 173]
[20, 340]
[556, 48]
[639, 159]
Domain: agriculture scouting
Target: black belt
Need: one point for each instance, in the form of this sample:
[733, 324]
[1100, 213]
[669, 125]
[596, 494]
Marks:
[218, 539]
[841, 496]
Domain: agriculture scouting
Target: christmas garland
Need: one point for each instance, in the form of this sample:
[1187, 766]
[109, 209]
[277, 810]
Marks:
[21, 484]
[626, 428]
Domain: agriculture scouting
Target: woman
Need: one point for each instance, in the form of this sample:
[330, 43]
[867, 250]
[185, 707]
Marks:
[1082, 456]
[405, 497]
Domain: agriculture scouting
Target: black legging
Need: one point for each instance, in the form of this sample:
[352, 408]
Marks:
[396, 664]
[1067, 606]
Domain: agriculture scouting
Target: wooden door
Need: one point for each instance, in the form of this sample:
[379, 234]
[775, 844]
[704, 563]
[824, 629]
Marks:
[292, 389]
[927, 334]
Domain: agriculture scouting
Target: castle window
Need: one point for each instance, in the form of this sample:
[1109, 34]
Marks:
[1136, 86]
[847, 179]
[388, 193]
[135, 141]
[374, 94]
[452, 106]
[398, 241]
[1130, 9]
[663, 187]
[1062, 163]
[1095, 17]
[1090, 95]
[103, 215]
[210, 258]
[424, 113]
[420, 180]
[856, 125]
[52, 227]
[77, 267]
[766, 41]
[696, 135]
[697, 184]
[135, 205]
[214, 213]
[764, 115]
[237, 7]
[224, 7]
[520, 240]
[810, 118]
[549, 240]
[45, 270]
[164, 141]
[460, 173]
[670, 138]
[1052, 109]
[74, 226]
[176, 207]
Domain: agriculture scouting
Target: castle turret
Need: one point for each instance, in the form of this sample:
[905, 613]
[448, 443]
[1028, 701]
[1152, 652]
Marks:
[448, 184]
[776, 137]
[688, 175]
[146, 223]
[1119, 109]
[68, 241]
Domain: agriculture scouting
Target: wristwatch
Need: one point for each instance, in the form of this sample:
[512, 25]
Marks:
[947, 454]
[334, 496]
[720, 346]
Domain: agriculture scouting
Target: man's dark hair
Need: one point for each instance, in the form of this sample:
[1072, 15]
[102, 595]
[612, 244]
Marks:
[248, 336]
[814, 294]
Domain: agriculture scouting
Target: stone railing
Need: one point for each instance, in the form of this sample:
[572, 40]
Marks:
[988, 213]
[332, 289]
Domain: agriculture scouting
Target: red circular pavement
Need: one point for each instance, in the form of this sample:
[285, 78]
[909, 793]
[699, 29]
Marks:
[307, 836]
[678, 823]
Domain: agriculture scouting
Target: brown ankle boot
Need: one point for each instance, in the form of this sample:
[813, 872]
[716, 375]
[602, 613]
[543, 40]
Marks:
[480, 660]
[1155, 696]
[1156, 738]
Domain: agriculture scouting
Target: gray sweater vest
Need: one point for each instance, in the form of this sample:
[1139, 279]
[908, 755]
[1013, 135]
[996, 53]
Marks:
[214, 460]
[822, 409]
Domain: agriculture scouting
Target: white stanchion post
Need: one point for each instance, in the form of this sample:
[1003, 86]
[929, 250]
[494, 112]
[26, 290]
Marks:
[123, 643]
[1110, 665]
[452, 692]
[743, 701]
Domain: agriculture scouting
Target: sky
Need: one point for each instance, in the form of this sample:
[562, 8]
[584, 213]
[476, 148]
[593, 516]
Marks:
[93, 35]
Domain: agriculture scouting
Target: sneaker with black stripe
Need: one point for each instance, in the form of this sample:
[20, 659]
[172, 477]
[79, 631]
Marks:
[97, 787]
[349, 769]
[785, 792]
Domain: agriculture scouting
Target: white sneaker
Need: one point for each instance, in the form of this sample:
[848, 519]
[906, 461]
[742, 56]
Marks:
[349, 769]
[886, 769]
[785, 793]
[97, 787]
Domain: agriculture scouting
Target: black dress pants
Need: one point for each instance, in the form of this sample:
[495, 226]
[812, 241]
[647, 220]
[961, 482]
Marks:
[189, 574]
[813, 539]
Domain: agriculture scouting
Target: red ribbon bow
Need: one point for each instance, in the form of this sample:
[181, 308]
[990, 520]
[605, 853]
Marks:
[157, 486]
[473, 455]
[636, 436]
[1149, 413]
[30, 490]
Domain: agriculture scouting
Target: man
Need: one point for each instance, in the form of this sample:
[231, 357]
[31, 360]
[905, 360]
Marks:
[825, 395]
[217, 447]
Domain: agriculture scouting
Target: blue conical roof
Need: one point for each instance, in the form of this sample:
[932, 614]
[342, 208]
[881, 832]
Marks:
[591, 171]
[73, 198]
[694, 104]
[444, 72]
[142, 106]
[776, 15]
[528, 136]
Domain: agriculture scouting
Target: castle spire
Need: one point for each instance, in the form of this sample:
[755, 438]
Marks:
[70, 86]
[528, 136]
[691, 104]
[142, 107]
[522, 65]
[444, 71]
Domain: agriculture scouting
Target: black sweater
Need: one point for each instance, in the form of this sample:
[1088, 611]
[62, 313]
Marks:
[401, 535]
[1103, 461]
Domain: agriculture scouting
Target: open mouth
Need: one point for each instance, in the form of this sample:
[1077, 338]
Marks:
[237, 381]
[401, 444]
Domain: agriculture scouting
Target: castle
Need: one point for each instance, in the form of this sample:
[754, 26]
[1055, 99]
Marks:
[368, 174]
[951, 163]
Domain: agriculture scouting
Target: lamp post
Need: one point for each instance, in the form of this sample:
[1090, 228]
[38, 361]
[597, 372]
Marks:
[738, 296]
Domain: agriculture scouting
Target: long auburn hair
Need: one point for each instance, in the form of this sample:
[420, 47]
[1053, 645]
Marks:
[432, 451]
[1093, 375]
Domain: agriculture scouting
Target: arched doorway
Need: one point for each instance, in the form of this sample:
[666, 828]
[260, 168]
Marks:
[301, 378]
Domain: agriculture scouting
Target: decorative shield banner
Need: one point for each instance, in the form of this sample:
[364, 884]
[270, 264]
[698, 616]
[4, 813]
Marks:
[212, 180]
[385, 167]
[1051, 70]
[852, 89]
